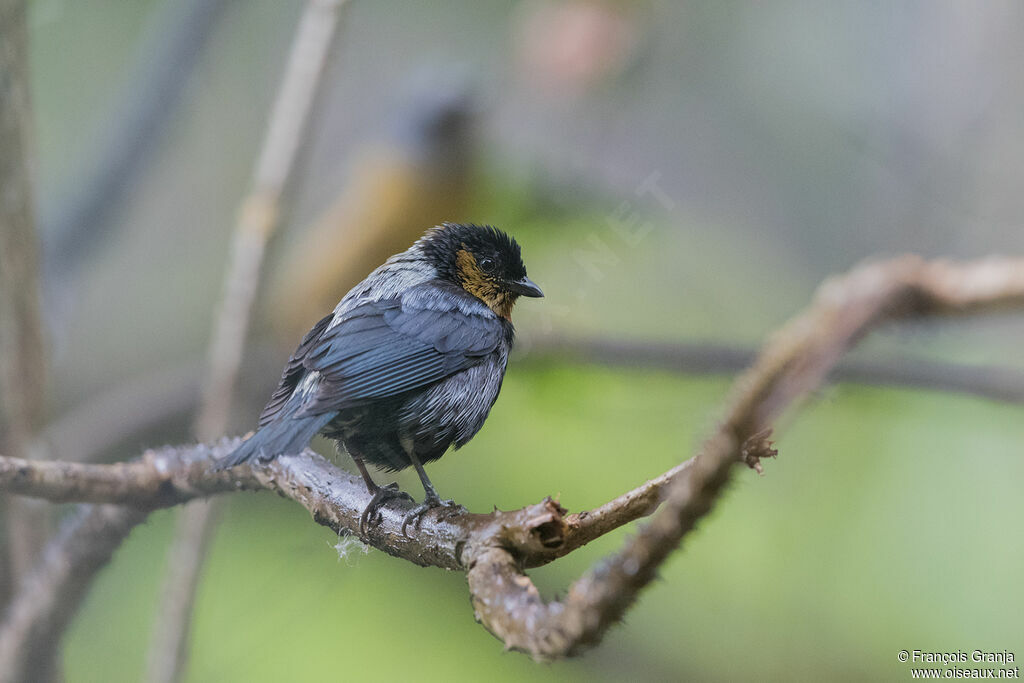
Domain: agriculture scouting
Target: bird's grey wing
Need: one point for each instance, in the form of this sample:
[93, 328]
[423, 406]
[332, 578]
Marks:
[381, 349]
[293, 373]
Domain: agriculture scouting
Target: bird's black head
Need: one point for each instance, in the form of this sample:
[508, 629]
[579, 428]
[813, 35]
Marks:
[482, 260]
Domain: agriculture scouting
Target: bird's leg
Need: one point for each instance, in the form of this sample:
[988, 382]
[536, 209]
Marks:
[371, 486]
[381, 494]
[430, 500]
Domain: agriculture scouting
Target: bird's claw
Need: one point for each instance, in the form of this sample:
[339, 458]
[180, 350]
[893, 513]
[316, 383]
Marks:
[430, 503]
[382, 495]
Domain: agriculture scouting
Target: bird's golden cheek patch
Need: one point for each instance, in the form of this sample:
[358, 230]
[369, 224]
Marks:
[468, 270]
[479, 285]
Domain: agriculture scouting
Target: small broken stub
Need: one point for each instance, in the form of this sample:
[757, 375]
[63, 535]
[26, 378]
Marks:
[758, 446]
[549, 528]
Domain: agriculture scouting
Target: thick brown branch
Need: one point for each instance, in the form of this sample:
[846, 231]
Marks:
[160, 478]
[794, 362]
[172, 475]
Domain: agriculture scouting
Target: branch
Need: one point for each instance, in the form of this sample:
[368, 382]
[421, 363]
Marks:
[794, 362]
[22, 363]
[169, 476]
[147, 401]
[172, 475]
[50, 595]
[22, 349]
[257, 220]
[156, 480]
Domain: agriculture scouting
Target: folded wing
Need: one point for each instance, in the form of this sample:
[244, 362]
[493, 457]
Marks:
[380, 349]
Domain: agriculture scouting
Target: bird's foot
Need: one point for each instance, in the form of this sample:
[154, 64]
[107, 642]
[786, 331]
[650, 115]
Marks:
[431, 502]
[382, 495]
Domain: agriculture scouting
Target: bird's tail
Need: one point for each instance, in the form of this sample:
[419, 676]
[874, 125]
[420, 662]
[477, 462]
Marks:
[285, 435]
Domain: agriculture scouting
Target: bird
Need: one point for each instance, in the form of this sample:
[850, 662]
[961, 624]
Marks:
[407, 365]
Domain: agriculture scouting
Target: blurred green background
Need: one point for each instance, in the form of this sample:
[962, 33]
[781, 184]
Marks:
[786, 140]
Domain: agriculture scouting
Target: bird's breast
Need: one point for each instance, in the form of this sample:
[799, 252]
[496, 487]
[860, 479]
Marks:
[457, 406]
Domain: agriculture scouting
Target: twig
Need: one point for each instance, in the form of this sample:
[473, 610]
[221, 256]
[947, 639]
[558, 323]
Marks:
[22, 350]
[494, 549]
[257, 220]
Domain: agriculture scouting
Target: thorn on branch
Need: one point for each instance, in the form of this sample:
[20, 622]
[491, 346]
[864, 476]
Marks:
[756, 447]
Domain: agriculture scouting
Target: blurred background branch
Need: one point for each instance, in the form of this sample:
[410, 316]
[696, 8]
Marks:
[48, 600]
[258, 218]
[79, 219]
[22, 347]
[998, 383]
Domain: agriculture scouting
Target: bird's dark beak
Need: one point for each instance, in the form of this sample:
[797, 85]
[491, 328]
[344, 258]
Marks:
[525, 287]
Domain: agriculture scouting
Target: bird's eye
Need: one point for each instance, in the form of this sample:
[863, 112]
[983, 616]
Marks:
[487, 265]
